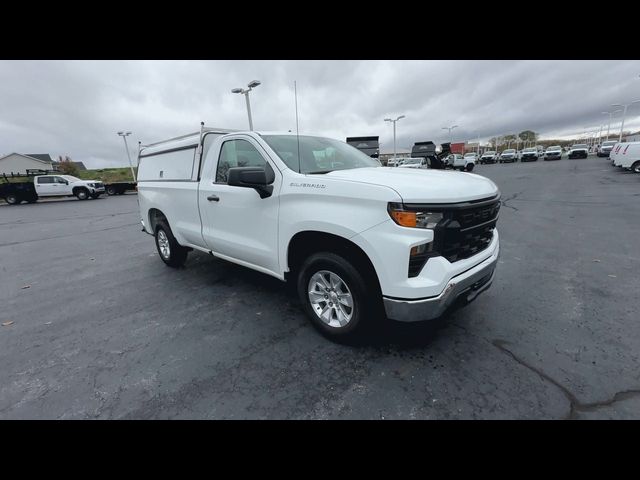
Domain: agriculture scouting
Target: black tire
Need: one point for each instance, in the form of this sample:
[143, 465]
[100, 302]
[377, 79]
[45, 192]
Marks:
[82, 194]
[636, 167]
[367, 309]
[12, 199]
[177, 254]
[470, 167]
[111, 191]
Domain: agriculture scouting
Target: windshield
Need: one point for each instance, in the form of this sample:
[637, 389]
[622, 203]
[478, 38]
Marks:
[530, 150]
[318, 154]
[509, 151]
[555, 147]
[608, 144]
[490, 153]
[579, 145]
[71, 178]
[470, 155]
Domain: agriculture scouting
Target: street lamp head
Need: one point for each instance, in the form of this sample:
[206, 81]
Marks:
[388, 120]
[236, 90]
[120, 133]
[253, 83]
[616, 105]
[128, 133]
[401, 116]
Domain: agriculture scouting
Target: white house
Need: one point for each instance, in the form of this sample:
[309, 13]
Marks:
[19, 163]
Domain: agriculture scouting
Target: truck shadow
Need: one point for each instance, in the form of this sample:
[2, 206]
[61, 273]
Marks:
[386, 333]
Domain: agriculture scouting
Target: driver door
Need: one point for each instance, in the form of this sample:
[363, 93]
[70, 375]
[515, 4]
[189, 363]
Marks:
[236, 223]
[63, 186]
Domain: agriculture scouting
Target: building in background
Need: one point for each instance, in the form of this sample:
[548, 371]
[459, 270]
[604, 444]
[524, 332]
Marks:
[19, 163]
[634, 137]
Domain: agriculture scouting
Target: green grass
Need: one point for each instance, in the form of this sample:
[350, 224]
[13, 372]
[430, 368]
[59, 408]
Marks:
[107, 175]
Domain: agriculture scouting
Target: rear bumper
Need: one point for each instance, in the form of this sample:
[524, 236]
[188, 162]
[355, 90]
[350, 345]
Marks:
[465, 286]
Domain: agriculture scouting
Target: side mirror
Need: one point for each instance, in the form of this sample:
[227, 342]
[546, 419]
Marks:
[258, 178]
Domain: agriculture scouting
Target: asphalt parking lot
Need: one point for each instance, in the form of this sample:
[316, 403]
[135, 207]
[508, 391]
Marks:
[103, 329]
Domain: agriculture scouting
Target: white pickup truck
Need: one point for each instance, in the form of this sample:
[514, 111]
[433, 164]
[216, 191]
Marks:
[358, 240]
[67, 186]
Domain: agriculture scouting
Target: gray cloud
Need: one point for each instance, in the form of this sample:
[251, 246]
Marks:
[75, 107]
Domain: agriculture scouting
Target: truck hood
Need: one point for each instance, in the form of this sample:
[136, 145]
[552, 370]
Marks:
[422, 186]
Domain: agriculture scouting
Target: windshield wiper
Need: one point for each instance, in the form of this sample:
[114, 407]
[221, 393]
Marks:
[319, 172]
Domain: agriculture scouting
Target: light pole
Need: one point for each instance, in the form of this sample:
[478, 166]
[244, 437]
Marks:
[394, 134]
[251, 85]
[624, 114]
[450, 128]
[611, 114]
[124, 136]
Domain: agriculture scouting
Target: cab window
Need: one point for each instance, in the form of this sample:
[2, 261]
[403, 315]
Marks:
[237, 153]
[45, 180]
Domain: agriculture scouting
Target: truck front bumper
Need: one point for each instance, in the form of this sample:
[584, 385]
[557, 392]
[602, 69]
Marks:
[465, 286]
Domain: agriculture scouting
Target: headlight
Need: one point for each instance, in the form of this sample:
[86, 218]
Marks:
[413, 218]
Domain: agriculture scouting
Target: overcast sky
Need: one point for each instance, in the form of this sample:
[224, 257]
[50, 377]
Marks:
[75, 108]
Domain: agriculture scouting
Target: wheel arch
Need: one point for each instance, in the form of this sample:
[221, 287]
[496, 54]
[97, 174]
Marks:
[155, 215]
[307, 242]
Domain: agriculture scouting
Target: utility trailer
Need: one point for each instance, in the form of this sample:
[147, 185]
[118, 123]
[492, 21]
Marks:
[367, 145]
[428, 150]
[16, 192]
[119, 188]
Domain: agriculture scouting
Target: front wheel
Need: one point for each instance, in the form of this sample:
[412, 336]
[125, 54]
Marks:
[82, 194]
[171, 252]
[337, 297]
[470, 167]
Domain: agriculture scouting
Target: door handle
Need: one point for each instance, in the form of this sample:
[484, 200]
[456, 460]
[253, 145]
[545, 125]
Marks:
[213, 198]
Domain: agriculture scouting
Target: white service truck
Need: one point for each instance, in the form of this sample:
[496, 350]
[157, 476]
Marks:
[357, 239]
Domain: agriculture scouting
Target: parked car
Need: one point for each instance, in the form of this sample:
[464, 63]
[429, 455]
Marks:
[397, 162]
[579, 150]
[606, 147]
[356, 240]
[459, 162]
[553, 153]
[490, 156]
[629, 156]
[415, 163]
[508, 156]
[471, 155]
[530, 154]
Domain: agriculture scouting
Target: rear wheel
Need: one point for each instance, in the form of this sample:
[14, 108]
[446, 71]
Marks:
[12, 199]
[170, 251]
[337, 297]
[111, 191]
[636, 167]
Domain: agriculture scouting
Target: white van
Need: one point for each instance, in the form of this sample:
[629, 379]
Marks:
[629, 156]
[615, 153]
